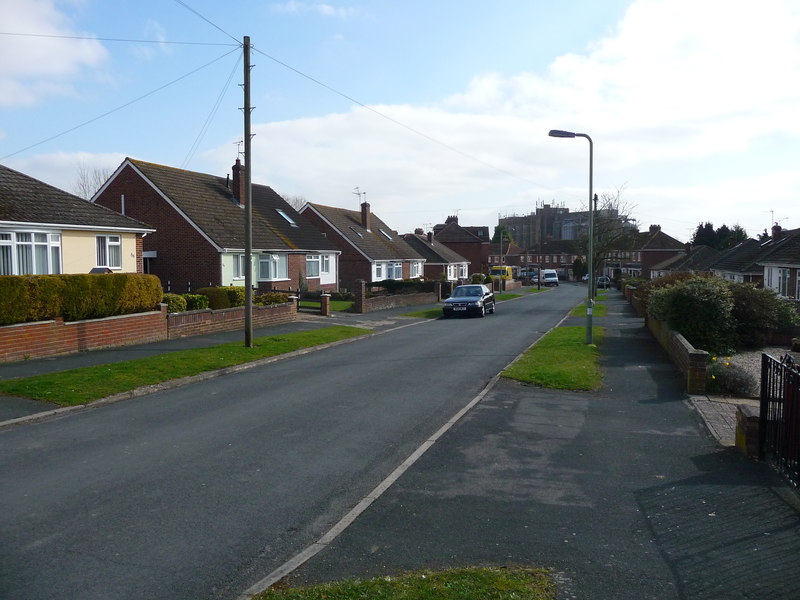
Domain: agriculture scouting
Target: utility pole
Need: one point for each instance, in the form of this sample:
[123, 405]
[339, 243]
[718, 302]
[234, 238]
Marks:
[248, 203]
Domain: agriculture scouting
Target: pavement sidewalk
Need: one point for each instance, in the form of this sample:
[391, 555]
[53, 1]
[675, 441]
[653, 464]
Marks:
[623, 492]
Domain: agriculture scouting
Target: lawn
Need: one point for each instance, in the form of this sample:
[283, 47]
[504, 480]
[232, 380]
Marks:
[506, 296]
[430, 313]
[599, 310]
[79, 386]
[336, 305]
[454, 584]
[561, 360]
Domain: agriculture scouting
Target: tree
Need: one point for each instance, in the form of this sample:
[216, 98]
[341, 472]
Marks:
[614, 231]
[89, 180]
[296, 202]
[721, 238]
[501, 230]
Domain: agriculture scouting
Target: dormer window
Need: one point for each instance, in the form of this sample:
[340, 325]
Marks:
[289, 219]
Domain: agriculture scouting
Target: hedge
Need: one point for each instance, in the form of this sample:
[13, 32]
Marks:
[26, 298]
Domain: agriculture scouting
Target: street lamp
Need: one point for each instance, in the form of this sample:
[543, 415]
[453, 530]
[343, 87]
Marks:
[559, 133]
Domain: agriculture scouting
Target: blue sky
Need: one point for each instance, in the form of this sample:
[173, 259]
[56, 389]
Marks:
[432, 108]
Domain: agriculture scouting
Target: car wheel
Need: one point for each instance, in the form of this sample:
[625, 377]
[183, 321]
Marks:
[482, 311]
[491, 310]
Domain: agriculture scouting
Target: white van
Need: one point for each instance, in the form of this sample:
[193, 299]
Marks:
[549, 277]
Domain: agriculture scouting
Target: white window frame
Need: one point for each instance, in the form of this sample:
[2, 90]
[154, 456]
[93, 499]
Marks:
[379, 271]
[324, 264]
[462, 271]
[277, 267]
[312, 266]
[394, 270]
[416, 269]
[30, 252]
[239, 266]
[108, 251]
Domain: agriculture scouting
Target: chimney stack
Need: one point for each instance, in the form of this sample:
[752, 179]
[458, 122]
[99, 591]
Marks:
[365, 216]
[777, 232]
[655, 228]
[238, 182]
[430, 237]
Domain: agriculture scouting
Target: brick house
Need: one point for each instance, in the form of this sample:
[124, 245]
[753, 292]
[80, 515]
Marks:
[370, 250]
[462, 241]
[440, 261]
[200, 237]
[781, 263]
[45, 230]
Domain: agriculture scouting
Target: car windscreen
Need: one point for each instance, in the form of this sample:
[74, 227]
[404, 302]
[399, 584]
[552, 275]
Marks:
[462, 292]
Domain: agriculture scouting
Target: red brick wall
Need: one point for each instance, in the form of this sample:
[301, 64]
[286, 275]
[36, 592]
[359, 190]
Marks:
[185, 258]
[200, 322]
[476, 253]
[52, 338]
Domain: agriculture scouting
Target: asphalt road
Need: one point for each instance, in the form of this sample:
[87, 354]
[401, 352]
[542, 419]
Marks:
[200, 491]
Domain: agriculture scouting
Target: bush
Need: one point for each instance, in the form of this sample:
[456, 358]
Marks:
[787, 314]
[756, 314]
[175, 302]
[723, 377]
[648, 286]
[75, 297]
[271, 298]
[700, 309]
[195, 301]
[223, 296]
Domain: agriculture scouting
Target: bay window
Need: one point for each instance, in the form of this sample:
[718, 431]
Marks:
[29, 253]
[272, 267]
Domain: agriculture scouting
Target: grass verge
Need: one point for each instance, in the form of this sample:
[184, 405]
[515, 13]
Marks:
[79, 386]
[561, 360]
[599, 310]
[506, 296]
[430, 313]
[453, 584]
[336, 305]
[535, 290]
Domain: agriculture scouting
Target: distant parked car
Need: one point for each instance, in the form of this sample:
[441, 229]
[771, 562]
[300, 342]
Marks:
[585, 278]
[473, 299]
[603, 282]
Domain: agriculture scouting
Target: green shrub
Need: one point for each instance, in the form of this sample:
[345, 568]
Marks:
[195, 301]
[755, 311]
[236, 295]
[76, 297]
[217, 297]
[175, 302]
[723, 377]
[787, 314]
[700, 309]
[648, 286]
[271, 298]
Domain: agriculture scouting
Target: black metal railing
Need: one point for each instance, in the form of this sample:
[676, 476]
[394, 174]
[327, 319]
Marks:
[779, 423]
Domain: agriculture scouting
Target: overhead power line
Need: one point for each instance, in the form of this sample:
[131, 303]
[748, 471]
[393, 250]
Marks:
[118, 108]
[104, 39]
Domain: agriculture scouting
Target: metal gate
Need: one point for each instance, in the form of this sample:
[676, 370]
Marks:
[779, 423]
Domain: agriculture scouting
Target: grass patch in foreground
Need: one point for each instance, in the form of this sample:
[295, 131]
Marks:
[600, 310]
[430, 313]
[562, 360]
[535, 290]
[79, 386]
[453, 584]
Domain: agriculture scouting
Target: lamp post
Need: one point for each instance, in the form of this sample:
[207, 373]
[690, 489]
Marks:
[558, 133]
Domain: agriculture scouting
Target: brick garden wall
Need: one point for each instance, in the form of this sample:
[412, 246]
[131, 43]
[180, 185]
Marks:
[690, 361]
[54, 338]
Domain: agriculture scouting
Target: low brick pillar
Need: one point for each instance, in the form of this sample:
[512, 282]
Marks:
[295, 302]
[696, 372]
[360, 301]
[437, 288]
[325, 305]
[747, 424]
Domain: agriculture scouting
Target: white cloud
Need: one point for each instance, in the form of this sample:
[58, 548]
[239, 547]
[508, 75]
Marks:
[321, 8]
[32, 68]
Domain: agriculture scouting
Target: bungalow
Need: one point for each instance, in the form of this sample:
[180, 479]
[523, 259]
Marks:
[45, 230]
[201, 231]
[440, 261]
[470, 242]
[370, 250]
[740, 263]
[781, 263]
[697, 259]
